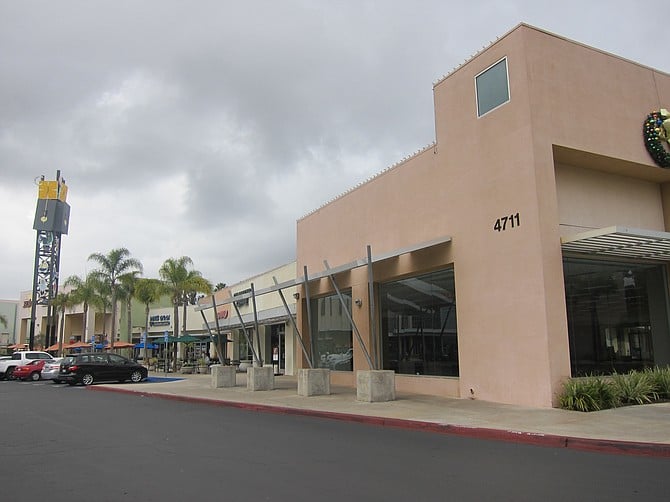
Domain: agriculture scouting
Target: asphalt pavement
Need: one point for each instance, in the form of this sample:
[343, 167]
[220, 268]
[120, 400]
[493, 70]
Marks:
[633, 430]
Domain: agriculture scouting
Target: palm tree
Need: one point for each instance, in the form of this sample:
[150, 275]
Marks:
[113, 265]
[127, 284]
[219, 286]
[84, 291]
[180, 282]
[148, 291]
[62, 302]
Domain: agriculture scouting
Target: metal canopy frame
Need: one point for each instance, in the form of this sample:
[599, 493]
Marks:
[621, 242]
[328, 272]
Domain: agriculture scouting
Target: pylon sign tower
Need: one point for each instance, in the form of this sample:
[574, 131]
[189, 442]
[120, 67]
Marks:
[52, 218]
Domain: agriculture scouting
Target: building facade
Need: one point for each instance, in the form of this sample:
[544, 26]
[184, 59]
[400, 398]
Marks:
[527, 244]
[253, 317]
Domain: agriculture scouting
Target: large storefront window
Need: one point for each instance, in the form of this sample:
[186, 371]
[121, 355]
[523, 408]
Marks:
[617, 316]
[332, 333]
[418, 325]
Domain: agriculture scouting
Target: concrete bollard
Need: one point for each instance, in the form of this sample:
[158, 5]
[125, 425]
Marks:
[223, 376]
[260, 378]
[313, 382]
[375, 386]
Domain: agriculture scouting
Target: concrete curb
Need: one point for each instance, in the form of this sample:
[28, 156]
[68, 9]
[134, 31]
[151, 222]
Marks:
[531, 438]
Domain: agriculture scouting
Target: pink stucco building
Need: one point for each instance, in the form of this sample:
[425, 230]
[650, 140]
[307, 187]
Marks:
[527, 244]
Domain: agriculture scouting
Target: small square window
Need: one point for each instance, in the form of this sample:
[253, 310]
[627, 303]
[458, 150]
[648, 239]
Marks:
[492, 87]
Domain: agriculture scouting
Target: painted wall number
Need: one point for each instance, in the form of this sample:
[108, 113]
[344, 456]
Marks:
[507, 222]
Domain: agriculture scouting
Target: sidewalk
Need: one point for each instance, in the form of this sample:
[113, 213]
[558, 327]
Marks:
[638, 430]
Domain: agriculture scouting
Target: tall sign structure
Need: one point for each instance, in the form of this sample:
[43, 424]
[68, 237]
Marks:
[52, 218]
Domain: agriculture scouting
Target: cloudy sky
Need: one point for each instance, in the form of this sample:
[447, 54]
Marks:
[206, 128]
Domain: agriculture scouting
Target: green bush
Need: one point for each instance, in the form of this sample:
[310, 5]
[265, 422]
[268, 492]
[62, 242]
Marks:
[661, 381]
[636, 387]
[591, 393]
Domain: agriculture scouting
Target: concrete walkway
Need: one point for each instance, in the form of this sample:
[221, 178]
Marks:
[640, 430]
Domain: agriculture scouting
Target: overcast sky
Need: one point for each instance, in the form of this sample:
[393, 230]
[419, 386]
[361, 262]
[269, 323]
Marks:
[207, 128]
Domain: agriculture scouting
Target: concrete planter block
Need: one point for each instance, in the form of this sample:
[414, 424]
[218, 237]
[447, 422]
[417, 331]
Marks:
[260, 378]
[314, 382]
[223, 376]
[375, 386]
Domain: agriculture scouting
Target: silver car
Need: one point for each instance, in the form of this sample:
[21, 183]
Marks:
[51, 369]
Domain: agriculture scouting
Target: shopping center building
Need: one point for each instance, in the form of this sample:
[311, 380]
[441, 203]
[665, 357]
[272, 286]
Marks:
[527, 244]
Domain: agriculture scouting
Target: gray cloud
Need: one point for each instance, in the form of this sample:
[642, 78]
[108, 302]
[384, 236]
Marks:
[208, 128]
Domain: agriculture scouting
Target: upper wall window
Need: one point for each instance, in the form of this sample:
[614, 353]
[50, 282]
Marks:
[492, 87]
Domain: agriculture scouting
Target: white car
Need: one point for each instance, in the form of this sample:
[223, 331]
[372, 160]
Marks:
[51, 369]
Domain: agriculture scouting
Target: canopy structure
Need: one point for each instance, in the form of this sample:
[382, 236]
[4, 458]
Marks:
[121, 345]
[620, 242]
[149, 345]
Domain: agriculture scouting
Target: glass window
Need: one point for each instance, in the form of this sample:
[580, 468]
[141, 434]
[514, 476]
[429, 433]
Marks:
[617, 316]
[332, 334]
[418, 325]
[245, 349]
[492, 87]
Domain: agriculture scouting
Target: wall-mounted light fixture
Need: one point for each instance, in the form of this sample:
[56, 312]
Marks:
[358, 302]
[296, 295]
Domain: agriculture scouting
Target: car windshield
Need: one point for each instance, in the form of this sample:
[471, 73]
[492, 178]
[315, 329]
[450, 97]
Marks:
[69, 360]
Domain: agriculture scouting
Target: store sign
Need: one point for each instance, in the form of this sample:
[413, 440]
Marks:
[222, 314]
[243, 301]
[159, 320]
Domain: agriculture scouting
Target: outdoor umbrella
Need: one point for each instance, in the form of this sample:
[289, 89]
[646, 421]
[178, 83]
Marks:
[189, 339]
[121, 345]
[78, 345]
[149, 345]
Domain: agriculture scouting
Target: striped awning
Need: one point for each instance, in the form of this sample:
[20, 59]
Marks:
[620, 242]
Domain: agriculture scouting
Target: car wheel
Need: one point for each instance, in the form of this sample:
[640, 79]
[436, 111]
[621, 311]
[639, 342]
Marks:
[55, 380]
[87, 379]
[35, 376]
[9, 374]
[136, 376]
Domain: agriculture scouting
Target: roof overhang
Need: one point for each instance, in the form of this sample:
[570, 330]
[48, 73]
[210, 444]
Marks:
[621, 242]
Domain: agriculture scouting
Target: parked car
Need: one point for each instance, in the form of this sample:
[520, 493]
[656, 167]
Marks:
[88, 368]
[30, 371]
[20, 358]
[51, 369]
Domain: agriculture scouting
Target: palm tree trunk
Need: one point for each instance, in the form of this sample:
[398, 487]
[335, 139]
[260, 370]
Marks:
[146, 333]
[114, 307]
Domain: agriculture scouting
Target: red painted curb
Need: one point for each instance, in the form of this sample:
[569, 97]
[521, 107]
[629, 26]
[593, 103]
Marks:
[531, 438]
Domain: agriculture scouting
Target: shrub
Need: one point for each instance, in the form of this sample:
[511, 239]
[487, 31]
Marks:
[661, 381]
[636, 387]
[591, 393]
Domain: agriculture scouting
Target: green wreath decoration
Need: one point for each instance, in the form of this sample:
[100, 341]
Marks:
[656, 130]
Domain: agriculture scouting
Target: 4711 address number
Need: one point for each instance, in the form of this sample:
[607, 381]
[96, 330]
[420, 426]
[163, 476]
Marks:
[507, 222]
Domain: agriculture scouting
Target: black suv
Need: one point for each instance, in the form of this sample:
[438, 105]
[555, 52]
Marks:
[88, 368]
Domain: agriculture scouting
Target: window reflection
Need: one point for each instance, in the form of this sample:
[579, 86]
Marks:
[418, 325]
[616, 314]
[332, 333]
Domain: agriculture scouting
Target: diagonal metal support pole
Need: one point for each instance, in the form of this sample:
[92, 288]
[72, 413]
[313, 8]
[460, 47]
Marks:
[351, 319]
[295, 327]
[258, 335]
[308, 304]
[246, 335]
[371, 300]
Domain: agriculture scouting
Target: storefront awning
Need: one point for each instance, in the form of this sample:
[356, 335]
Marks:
[620, 242]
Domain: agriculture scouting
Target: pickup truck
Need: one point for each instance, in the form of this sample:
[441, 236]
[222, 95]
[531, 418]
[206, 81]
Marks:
[19, 359]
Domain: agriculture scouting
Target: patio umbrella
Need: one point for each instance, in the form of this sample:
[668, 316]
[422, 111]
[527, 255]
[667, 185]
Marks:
[190, 339]
[149, 345]
[121, 345]
[78, 345]
[18, 346]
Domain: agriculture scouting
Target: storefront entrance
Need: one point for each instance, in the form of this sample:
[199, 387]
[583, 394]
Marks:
[617, 316]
